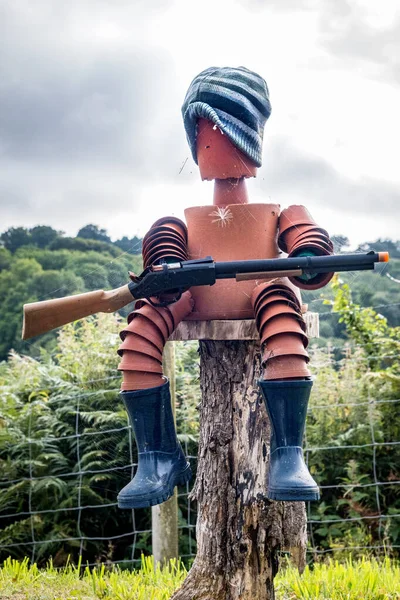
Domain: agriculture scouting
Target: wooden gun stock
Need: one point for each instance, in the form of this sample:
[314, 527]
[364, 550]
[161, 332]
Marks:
[40, 317]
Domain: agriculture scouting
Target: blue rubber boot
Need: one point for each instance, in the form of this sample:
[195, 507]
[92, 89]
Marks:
[286, 402]
[161, 462]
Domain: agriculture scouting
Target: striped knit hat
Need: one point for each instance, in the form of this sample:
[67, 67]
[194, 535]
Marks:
[236, 100]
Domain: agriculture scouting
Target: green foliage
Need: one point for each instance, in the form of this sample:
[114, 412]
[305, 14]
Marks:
[93, 232]
[54, 454]
[147, 583]
[83, 245]
[15, 237]
[353, 424]
[366, 579]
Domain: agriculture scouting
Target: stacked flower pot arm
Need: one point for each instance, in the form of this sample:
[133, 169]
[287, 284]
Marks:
[144, 390]
[299, 235]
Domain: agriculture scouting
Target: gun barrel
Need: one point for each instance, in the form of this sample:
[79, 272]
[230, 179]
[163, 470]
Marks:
[307, 264]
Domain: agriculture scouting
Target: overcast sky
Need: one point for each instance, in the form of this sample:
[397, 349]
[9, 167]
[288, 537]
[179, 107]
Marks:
[91, 91]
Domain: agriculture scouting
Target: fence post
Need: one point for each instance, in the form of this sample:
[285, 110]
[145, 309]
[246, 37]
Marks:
[165, 516]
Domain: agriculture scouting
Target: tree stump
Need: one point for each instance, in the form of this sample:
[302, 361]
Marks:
[239, 531]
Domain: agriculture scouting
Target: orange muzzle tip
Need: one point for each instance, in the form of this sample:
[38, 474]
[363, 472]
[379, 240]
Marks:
[383, 256]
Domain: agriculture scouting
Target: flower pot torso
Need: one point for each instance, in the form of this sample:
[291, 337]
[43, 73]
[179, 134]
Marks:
[232, 232]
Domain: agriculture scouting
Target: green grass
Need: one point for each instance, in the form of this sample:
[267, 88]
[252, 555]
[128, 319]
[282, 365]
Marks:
[360, 580]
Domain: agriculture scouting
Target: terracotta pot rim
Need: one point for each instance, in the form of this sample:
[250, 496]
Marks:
[155, 317]
[315, 247]
[163, 229]
[146, 348]
[290, 235]
[268, 331]
[309, 241]
[148, 329]
[322, 280]
[156, 239]
[170, 219]
[288, 314]
[172, 256]
[263, 300]
[163, 312]
[156, 247]
[142, 365]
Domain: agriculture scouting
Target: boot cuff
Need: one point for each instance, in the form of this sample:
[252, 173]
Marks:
[130, 395]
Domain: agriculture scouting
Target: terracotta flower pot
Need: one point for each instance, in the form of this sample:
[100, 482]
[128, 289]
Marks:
[167, 254]
[146, 328]
[158, 237]
[270, 311]
[283, 283]
[314, 232]
[309, 241]
[161, 245]
[162, 230]
[163, 312]
[317, 249]
[285, 367]
[293, 234]
[137, 343]
[179, 310]
[139, 380]
[135, 361]
[318, 282]
[277, 294]
[221, 233]
[294, 215]
[284, 343]
[174, 223]
[153, 315]
[273, 299]
[282, 324]
[167, 239]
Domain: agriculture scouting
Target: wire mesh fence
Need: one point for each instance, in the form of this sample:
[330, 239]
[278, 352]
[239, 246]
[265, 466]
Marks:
[103, 457]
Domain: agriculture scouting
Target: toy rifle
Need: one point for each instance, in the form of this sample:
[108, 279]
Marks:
[176, 277]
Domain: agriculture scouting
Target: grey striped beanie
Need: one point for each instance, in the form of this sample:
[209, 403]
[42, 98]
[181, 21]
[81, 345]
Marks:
[236, 100]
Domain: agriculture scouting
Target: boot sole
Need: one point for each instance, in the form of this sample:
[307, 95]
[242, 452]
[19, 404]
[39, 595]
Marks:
[294, 495]
[163, 495]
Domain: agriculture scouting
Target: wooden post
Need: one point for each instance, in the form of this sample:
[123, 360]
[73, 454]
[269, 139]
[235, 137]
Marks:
[165, 516]
[239, 531]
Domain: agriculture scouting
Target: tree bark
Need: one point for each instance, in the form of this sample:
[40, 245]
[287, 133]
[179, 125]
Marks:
[239, 531]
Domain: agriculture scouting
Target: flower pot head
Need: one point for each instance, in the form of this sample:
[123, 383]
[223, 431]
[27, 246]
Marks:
[146, 328]
[286, 367]
[236, 100]
[137, 343]
[218, 157]
[282, 344]
[136, 361]
[282, 324]
[139, 380]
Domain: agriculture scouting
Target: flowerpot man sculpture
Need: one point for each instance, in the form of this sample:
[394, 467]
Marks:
[224, 113]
